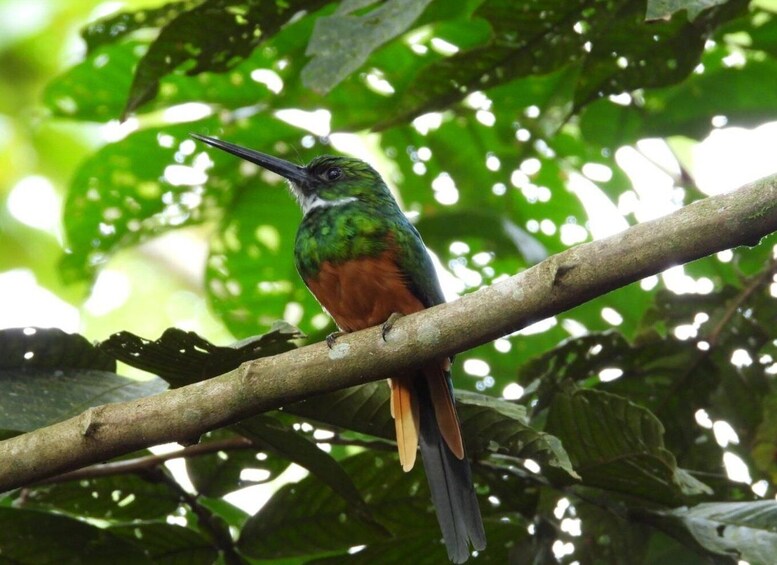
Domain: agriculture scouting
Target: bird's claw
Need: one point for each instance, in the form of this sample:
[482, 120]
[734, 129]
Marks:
[388, 324]
[332, 338]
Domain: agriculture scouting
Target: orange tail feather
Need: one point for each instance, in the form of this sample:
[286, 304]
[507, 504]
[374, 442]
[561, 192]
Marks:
[407, 420]
[444, 409]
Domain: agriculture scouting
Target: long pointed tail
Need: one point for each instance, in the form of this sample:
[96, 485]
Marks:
[450, 481]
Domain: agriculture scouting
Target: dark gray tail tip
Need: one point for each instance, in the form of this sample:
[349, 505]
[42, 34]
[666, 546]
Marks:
[462, 552]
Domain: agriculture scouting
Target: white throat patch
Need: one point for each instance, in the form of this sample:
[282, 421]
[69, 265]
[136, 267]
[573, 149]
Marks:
[313, 201]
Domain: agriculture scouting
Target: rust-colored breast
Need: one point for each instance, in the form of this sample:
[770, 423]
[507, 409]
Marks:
[364, 292]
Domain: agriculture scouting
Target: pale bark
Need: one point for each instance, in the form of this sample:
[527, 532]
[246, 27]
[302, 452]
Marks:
[550, 287]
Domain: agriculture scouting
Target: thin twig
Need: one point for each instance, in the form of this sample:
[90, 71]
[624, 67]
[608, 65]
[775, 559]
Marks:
[141, 464]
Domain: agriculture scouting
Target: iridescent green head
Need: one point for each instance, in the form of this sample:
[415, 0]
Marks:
[325, 181]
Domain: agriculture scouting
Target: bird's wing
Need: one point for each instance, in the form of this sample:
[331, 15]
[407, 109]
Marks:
[416, 266]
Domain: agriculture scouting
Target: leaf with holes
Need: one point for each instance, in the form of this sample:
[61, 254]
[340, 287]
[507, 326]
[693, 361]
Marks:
[182, 357]
[212, 36]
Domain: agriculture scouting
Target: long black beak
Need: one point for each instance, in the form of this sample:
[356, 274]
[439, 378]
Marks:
[296, 174]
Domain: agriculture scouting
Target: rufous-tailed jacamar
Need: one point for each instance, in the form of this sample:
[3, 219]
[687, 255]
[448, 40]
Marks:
[364, 262]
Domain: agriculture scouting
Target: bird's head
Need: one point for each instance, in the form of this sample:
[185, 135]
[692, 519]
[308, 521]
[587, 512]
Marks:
[325, 181]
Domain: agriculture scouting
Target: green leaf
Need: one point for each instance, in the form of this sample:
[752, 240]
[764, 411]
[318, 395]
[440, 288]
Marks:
[168, 544]
[182, 357]
[293, 446]
[250, 273]
[120, 196]
[608, 537]
[618, 446]
[121, 497]
[305, 518]
[66, 540]
[115, 27]
[342, 42]
[684, 109]
[744, 531]
[210, 37]
[615, 50]
[663, 9]
[420, 549]
[764, 446]
[48, 375]
[217, 474]
[232, 515]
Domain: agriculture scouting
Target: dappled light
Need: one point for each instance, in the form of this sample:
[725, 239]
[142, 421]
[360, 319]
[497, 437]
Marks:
[508, 132]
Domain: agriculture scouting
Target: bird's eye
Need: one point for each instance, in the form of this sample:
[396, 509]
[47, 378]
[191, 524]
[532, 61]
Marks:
[334, 173]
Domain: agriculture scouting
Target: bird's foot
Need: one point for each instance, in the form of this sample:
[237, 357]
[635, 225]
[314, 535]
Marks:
[388, 324]
[332, 338]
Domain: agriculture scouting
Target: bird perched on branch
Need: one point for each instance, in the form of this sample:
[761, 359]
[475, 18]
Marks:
[366, 264]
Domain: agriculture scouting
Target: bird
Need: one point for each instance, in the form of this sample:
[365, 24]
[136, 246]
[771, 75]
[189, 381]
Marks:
[367, 265]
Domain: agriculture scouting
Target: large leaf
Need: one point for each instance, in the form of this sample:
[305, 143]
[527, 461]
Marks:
[66, 541]
[618, 446]
[120, 497]
[293, 446]
[120, 196]
[744, 531]
[659, 9]
[49, 348]
[421, 550]
[342, 42]
[217, 474]
[168, 544]
[211, 36]
[683, 109]
[48, 375]
[305, 518]
[182, 357]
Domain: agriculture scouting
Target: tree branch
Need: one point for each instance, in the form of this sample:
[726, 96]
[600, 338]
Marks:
[550, 287]
[143, 464]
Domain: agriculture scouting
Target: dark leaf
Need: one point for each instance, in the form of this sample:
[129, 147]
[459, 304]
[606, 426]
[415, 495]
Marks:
[116, 27]
[48, 375]
[213, 36]
[305, 518]
[168, 544]
[66, 540]
[618, 446]
[182, 357]
[121, 497]
[422, 549]
[50, 348]
[217, 474]
[291, 445]
[615, 48]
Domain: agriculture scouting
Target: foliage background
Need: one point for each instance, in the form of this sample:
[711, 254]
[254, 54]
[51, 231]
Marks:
[636, 428]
